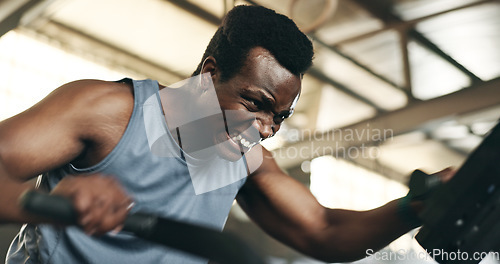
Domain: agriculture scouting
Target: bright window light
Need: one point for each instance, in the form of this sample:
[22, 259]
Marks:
[31, 69]
[432, 76]
[337, 183]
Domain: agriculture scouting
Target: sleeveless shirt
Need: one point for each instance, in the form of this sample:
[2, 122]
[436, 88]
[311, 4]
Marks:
[159, 184]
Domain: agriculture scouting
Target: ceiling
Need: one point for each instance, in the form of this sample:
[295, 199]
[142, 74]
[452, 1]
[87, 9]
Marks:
[424, 70]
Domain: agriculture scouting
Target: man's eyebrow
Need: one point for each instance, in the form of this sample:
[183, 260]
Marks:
[266, 95]
[268, 98]
[263, 94]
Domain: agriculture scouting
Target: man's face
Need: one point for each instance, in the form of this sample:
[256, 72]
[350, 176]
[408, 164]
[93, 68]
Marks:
[262, 94]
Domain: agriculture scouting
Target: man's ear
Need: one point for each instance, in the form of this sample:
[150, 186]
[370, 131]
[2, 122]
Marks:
[210, 66]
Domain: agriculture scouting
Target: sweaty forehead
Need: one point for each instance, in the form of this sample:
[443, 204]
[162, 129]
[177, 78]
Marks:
[268, 73]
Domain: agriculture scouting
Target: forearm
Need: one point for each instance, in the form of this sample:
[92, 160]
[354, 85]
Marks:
[11, 190]
[350, 233]
[331, 235]
[288, 211]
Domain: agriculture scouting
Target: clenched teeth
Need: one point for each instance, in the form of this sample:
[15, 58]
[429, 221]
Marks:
[243, 142]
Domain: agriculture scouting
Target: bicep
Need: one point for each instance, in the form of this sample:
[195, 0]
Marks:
[40, 138]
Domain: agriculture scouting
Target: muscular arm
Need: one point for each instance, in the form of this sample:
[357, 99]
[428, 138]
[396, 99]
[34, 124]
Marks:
[53, 132]
[287, 210]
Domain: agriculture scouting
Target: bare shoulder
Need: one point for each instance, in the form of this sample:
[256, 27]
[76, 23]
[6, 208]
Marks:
[71, 120]
[94, 102]
[101, 112]
[78, 102]
[96, 96]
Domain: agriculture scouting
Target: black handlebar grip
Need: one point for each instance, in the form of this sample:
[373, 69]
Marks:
[197, 240]
[142, 225]
[422, 184]
[55, 207]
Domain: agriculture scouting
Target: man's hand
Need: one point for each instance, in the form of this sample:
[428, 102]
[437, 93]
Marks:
[100, 202]
[421, 185]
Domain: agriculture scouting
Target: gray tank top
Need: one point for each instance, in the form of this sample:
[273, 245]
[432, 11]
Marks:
[159, 184]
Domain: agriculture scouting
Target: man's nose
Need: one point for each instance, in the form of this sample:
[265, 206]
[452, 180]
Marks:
[266, 128]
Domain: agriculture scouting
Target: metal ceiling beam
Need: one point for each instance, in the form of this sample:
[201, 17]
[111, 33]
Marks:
[376, 166]
[14, 12]
[367, 69]
[78, 41]
[381, 10]
[420, 38]
[322, 77]
[403, 47]
[406, 24]
[398, 122]
[197, 11]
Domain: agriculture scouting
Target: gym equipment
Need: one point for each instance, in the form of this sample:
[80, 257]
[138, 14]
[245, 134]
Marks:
[461, 219]
[204, 242]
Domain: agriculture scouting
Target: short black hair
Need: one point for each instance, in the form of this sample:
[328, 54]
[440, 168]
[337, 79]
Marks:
[246, 27]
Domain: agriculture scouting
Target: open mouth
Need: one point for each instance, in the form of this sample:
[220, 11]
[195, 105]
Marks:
[243, 141]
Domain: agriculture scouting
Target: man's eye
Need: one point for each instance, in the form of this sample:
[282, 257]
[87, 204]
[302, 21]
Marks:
[255, 103]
